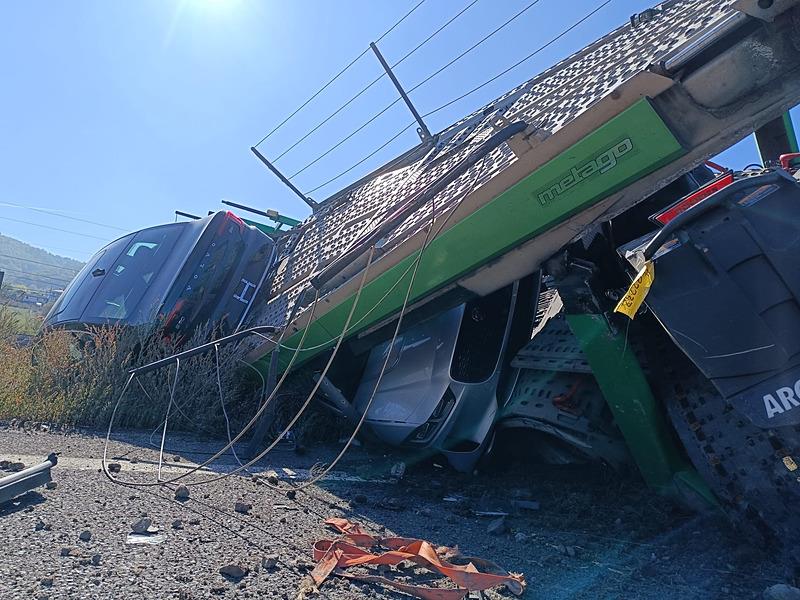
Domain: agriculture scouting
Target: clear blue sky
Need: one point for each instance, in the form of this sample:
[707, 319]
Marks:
[122, 112]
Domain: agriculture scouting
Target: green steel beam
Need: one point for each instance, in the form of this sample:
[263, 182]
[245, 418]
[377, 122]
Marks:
[635, 410]
[633, 144]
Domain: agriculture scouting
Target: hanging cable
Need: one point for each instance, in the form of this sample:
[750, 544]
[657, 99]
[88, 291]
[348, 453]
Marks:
[246, 428]
[339, 74]
[518, 63]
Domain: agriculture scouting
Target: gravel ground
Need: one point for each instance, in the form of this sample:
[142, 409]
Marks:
[595, 535]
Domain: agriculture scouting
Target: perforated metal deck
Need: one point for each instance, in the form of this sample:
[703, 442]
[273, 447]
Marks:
[548, 101]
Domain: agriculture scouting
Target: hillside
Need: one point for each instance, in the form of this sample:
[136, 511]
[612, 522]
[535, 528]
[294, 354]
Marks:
[33, 268]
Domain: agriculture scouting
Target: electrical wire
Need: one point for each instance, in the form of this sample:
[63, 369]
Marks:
[42, 278]
[475, 45]
[60, 214]
[37, 262]
[373, 82]
[450, 102]
[396, 100]
[86, 235]
[518, 63]
[339, 74]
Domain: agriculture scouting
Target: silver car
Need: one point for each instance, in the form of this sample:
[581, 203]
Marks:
[439, 391]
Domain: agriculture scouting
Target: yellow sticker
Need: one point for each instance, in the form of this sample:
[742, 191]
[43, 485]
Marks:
[789, 462]
[633, 298]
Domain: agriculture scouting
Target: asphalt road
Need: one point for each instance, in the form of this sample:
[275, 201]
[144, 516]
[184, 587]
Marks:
[594, 535]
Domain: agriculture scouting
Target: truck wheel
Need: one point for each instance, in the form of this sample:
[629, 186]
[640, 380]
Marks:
[751, 470]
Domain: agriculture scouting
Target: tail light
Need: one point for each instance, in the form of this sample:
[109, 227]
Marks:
[231, 218]
[786, 160]
[693, 199]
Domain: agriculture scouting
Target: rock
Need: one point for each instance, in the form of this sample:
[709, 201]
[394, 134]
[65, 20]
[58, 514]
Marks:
[525, 504]
[51, 485]
[233, 571]
[46, 582]
[397, 471]
[177, 524]
[242, 507]
[176, 458]
[194, 521]
[4, 464]
[291, 494]
[97, 559]
[68, 551]
[114, 467]
[497, 527]
[182, 493]
[391, 504]
[781, 591]
[141, 526]
[521, 537]
[270, 561]
[271, 477]
[85, 536]
[16, 467]
[40, 525]
[302, 564]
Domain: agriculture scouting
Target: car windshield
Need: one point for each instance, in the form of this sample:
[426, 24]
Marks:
[131, 274]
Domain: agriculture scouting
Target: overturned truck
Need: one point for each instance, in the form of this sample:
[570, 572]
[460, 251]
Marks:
[564, 260]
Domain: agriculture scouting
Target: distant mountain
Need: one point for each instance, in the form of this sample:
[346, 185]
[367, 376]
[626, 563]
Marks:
[32, 268]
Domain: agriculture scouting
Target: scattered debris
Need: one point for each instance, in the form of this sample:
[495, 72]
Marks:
[271, 477]
[177, 524]
[137, 538]
[194, 521]
[182, 493]
[270, 561]
[242, 507]
[397, 471]
[490, 513]
[291, 494]
[41, 525]
[85, 536]
[70, 551]
[176, 458]
[498, 526]
[143, 527]
[781, 591]
[97, 559]
[233, 571]
[334, 556]
[521, 537]
[46, 581]
[51, 485]
[525, 504]
[114, 467]
[16, 467]
[391, 503]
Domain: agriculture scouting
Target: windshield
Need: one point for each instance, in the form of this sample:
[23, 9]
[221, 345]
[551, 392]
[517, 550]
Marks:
[127, 280]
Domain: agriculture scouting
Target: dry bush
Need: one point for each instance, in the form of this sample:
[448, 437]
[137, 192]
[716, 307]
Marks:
[76, 378]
